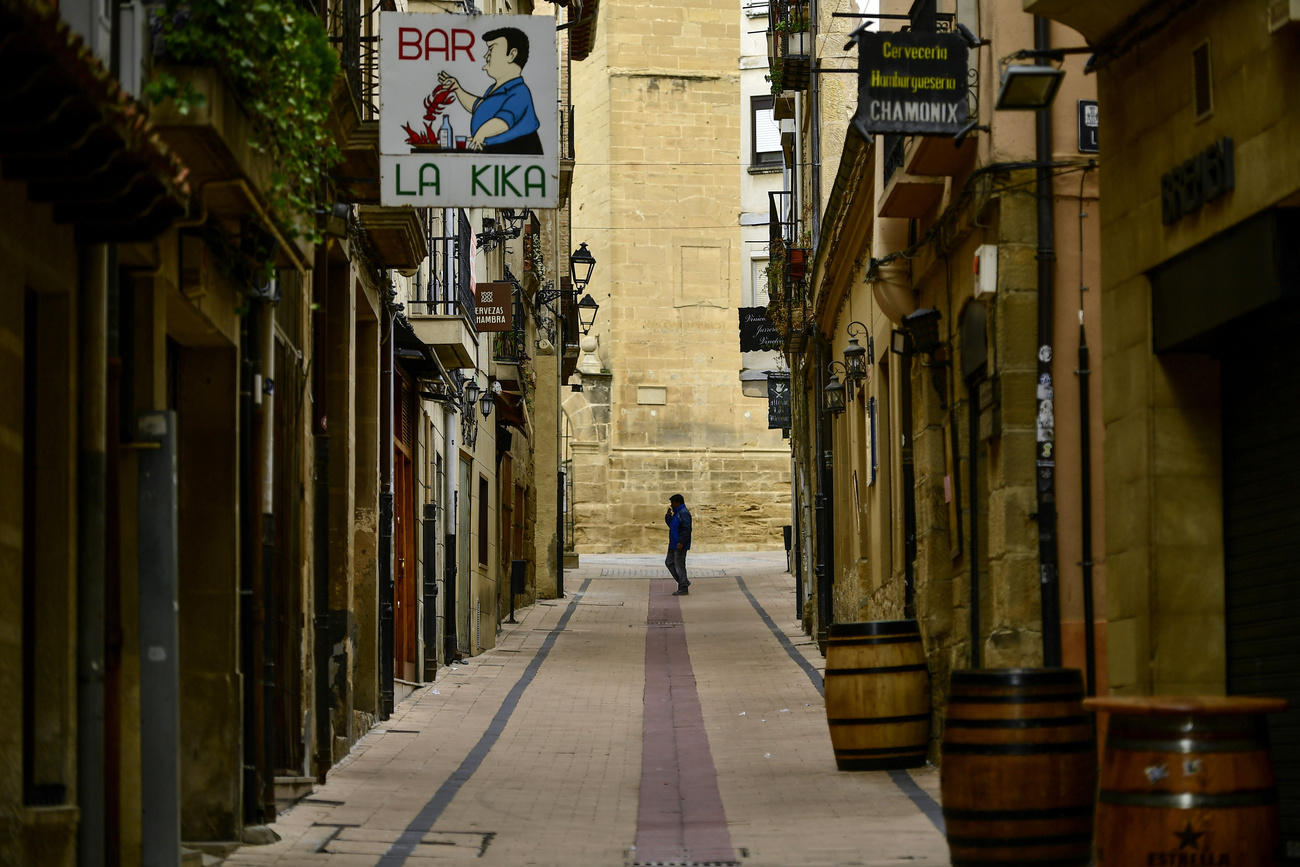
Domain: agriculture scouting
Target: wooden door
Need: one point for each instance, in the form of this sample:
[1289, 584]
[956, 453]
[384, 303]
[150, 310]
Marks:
[405, 621]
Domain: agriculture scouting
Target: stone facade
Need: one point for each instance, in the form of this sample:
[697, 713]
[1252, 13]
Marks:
[657, 200]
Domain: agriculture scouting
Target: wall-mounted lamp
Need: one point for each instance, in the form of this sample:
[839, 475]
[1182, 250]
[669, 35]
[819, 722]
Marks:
[510, 227]
[920, 335]
[1028, 88]
[587, 308]
[923, 326]
[488, 399]
[581, 263]
[857, 358]
[835, 391]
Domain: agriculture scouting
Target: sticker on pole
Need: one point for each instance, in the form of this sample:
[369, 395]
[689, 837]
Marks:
[468, 112]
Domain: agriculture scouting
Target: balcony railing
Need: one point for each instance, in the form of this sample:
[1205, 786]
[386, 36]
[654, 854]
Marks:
[783, 221]
[445, 291]
[894, 155]
[354, 31]
[789, 44]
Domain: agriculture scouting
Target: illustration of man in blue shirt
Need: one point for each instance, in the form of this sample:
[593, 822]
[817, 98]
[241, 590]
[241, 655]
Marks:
[502, 120]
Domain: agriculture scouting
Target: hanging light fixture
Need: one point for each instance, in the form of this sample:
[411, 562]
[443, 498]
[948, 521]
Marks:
[835, 391]
[471, 392]
[587, 308]
[856, 358]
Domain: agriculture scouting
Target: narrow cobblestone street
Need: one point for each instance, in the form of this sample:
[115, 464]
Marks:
[621, 726]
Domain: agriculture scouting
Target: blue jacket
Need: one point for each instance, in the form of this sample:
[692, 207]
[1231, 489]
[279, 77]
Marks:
[679, 527]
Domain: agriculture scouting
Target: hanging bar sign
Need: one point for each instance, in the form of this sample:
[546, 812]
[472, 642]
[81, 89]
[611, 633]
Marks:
[468, 111]
[911, 83]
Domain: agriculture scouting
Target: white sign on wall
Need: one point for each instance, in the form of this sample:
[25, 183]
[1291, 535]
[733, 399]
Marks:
[468, 111]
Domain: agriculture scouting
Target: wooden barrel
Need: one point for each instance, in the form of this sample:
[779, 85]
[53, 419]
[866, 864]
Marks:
[1187, 781]
[1019, 768]
[877, 695]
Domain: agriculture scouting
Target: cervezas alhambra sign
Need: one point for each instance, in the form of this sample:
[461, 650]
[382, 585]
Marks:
[911, 83]
[468, 111]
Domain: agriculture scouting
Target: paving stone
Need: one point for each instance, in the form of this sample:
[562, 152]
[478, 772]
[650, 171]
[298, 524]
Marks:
[553, 774]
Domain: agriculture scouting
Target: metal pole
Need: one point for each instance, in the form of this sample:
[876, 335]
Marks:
[322, 621]
[1085, 522]
[266, 673]
[91, 525]
[387, 649]
[1048, 566]
[160, 771]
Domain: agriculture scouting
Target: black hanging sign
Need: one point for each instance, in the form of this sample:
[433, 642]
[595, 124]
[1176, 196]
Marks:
[911, 83]
[778, 401]
[757, 333]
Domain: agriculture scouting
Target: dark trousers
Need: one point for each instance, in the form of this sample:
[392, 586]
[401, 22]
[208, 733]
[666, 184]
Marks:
[676, 563]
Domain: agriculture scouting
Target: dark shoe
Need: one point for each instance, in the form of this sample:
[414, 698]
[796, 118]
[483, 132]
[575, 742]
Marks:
[681, 593]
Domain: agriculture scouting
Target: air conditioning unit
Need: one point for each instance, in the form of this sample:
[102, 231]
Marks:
[1282, 13]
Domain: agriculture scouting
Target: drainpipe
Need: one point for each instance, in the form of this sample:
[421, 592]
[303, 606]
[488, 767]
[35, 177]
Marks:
[451, 552]
[815, 125]
[387, 600]
[1085, 477]
[252, 615]
[1048, 571]
[266, 444]
[91, 524]
[324, 753]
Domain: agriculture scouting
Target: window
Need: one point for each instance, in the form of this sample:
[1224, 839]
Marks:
[483, 518]
[758, 278]
[766, 133]
[1201, 84]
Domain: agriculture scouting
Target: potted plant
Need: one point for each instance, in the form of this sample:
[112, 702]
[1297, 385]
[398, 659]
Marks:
[794, 26]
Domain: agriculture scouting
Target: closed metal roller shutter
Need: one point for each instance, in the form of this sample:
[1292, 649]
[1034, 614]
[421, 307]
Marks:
[1261, 444]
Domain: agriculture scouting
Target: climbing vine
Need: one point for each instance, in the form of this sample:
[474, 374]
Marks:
[277, 58]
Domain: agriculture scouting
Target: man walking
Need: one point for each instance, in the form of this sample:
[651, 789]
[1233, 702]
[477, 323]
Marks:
[678, 519]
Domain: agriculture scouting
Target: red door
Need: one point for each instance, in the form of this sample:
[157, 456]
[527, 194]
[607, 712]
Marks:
[404, 619]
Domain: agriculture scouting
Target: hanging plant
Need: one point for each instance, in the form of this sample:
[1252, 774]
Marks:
[774, 76]
[277, 58]
[776, 270]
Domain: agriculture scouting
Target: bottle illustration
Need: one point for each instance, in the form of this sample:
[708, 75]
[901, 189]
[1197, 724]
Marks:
[445, 137]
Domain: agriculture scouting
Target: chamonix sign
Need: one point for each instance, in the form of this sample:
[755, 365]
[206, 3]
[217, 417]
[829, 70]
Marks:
[468, 112]
[911, 84]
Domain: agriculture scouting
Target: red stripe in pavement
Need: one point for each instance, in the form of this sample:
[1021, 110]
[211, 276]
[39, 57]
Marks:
[680, 817]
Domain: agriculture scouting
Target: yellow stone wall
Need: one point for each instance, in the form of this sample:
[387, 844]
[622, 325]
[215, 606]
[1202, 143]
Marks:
[1163, 452]
[657, 197]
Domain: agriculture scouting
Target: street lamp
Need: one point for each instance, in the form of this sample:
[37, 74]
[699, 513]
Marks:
[581, 262]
